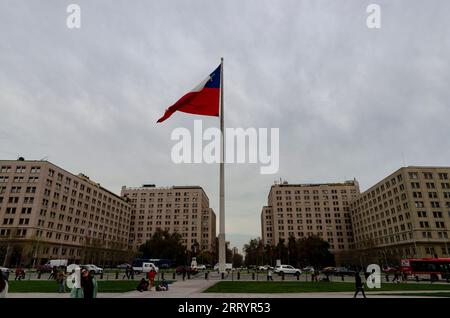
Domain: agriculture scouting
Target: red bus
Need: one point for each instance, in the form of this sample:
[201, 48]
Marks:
[432, 269]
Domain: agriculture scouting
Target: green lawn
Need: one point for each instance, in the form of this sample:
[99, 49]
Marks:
[51, 286]
[312, 287]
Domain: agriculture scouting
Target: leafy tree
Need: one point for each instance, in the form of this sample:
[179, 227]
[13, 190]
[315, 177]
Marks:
[163, 244]
[314, 251]
[237, 260]
[254, 251]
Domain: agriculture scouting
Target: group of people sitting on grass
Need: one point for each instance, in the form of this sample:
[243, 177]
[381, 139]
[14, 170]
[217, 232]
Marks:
[146, 285]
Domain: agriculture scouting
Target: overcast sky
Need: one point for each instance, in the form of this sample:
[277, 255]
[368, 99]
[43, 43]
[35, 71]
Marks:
[349, 101]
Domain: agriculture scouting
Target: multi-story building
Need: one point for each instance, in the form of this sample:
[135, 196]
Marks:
[49, 213]
[406, 214]
[181, 209]
[302, 210]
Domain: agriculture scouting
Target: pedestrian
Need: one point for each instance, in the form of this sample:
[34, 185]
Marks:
[269, 274]
[53, 273]
[358, 285]
[18, 273]
[3, 286]
[396, 278]
[22, 274]
[151, 278]
[315, 276]
[127, 272]
[61, 279]
[88, 288]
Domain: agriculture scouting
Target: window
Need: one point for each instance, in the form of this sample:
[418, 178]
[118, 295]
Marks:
[20, 169]
[5, 169]
[413, 175]
[35, 169]
[15, 189]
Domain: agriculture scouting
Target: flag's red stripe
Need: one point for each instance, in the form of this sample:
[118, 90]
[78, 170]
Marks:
[204, 102]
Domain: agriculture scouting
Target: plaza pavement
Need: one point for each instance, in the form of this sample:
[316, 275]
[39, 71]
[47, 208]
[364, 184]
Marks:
[194, 289]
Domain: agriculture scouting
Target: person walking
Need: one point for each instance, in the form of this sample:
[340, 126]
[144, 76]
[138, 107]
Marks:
[396, 278]
[151, 278]
[3, 286]
[61, 279]
[269, 274]
[358, 285]
[53, 273]
[18, 273]
[127, 272]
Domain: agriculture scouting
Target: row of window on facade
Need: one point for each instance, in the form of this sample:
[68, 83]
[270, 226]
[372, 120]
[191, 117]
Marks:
[186, 199]
[5, 179]
[428, 175]
[162, 194]
[19, 169]
[333, 191]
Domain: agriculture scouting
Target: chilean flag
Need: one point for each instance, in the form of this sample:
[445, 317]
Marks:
[202, 100]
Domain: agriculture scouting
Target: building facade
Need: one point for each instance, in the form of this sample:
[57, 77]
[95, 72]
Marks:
[302, 210]
[181, 209]
[49, 213]
[406, 214]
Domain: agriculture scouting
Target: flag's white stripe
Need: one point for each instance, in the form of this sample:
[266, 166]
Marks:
[202, 84]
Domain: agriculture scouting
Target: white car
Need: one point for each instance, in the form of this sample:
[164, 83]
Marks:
[147, 267]
[287, 269]
[264, 268]
[93, 269]
[200, 267]
[228, 267]
[308, 269]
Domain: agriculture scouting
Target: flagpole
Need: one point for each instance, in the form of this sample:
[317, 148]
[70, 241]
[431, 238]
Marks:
[222, 250]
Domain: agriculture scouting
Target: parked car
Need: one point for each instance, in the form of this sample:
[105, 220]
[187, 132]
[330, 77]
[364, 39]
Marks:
[186, 269]
[48, 267]
[93, 269]
[228, 267]
[200, 267]
[308, 269]
[388, 269]
[5, 272]
[328, 270]
[264, 267]
[147, 267]
[123, 266]
[287, 269]
[339, 271]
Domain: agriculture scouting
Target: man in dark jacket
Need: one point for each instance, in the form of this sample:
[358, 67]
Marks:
[358, 285]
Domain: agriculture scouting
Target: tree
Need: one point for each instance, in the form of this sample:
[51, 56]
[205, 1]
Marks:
[281, 251]
[314, 251]
[163, 244]
[237, 260]
[254, 251]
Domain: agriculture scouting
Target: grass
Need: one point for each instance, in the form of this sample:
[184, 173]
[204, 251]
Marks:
[51, 286]
[312, 287]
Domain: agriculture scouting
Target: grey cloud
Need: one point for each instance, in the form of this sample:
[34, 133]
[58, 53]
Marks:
[348, 100]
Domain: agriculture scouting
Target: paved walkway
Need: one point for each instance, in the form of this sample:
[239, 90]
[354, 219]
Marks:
[194, 288]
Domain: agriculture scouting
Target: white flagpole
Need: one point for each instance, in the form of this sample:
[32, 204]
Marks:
[222, 251]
